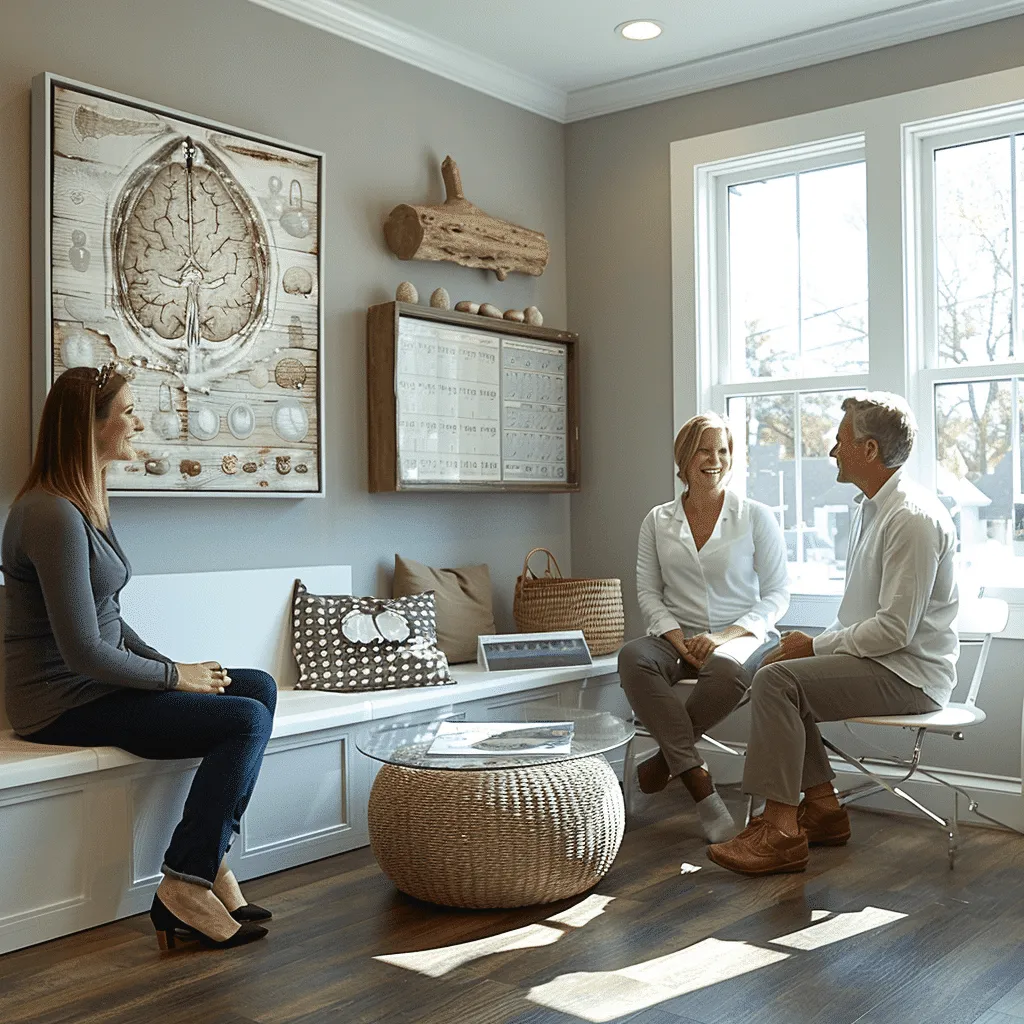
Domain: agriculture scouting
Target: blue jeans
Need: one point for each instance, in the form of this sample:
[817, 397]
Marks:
[228, 731]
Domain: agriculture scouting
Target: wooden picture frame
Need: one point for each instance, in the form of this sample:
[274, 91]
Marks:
[191, 252]
[527, 395]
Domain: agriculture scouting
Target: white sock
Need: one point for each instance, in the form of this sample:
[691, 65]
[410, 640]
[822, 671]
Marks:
[716, 819]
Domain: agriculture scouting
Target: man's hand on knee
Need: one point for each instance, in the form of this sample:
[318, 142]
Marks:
[793, 645]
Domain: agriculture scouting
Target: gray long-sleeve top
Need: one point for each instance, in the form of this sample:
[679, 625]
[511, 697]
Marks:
[64, 640]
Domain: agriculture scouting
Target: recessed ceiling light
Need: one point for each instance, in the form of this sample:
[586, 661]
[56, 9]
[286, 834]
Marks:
[639, 31]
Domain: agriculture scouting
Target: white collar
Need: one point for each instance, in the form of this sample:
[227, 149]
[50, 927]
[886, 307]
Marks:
[884, 492]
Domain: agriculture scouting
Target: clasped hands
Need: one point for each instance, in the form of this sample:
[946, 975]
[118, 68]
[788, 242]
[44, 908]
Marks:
[202, 677]
[695, 650]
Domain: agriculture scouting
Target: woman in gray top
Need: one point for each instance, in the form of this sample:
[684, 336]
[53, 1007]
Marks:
[80, 676]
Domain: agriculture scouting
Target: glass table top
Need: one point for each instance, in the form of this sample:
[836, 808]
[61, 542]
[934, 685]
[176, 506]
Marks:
[406, 739]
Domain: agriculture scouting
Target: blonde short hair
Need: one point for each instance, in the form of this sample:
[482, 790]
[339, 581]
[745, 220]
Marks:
[688, 440]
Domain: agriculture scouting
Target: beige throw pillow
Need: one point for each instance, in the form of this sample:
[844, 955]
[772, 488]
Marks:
[462, 598]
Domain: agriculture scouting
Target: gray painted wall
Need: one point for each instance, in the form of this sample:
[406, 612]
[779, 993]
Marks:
[618, 238]
[384, 126]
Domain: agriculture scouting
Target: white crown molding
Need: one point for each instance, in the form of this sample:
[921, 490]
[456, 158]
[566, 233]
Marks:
[889, 28]
[358, 24]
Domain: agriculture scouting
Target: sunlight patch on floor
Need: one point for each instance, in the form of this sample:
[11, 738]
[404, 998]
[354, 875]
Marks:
[604, 995]
[838, 927]
[600, 996]
[435, 963]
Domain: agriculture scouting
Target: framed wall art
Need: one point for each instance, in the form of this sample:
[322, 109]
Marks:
[192, 252]
[464, 402]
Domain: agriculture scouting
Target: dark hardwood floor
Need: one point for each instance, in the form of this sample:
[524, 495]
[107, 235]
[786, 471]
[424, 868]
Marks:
[878, 931]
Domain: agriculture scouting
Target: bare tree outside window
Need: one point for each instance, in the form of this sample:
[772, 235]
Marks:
[977, 318]
[798, 305]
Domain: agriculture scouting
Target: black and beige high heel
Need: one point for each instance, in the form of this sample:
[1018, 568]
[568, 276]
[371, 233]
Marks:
[226, 889]
[170, 928]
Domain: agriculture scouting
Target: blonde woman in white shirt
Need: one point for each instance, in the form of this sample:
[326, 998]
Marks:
[712, 583]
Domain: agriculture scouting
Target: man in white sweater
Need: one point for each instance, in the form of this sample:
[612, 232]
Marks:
[891, 651]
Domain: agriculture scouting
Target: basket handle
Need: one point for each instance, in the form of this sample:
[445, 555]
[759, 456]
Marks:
[547, 571]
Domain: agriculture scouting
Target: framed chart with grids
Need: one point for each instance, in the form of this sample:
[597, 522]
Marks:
[463, 402]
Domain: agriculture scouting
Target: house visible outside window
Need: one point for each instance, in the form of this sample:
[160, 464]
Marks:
[974, 353]
[876, 246]
[792, 283]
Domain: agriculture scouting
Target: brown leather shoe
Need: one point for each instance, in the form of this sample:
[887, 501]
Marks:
[652, 775]
[823, 825]
[761, 849]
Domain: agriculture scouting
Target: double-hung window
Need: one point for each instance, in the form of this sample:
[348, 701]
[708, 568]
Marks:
[778, 231]
[970, 303]
[789, 290]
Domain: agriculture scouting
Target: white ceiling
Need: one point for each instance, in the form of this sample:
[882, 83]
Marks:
[563, 59]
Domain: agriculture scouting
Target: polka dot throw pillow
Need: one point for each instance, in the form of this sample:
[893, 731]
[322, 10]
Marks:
[354, 644]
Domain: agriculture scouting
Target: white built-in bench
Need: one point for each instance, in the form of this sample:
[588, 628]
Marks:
[83, 830]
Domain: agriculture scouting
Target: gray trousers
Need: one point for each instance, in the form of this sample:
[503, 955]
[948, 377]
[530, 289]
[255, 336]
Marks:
[677, 716]
[785, 754]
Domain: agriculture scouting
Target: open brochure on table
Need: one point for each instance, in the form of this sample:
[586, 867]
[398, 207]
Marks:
[476, 738]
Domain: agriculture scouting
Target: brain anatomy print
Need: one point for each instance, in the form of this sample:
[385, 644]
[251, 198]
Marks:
[190, 253]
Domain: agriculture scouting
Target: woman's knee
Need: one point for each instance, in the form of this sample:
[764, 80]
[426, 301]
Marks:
[257, 684]
[726, 674]
[251, 717]
[637, 658]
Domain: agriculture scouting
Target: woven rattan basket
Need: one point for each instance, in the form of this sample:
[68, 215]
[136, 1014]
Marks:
[511, 837]
[552, 602]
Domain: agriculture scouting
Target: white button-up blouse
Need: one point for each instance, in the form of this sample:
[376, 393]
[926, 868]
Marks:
[738, 578]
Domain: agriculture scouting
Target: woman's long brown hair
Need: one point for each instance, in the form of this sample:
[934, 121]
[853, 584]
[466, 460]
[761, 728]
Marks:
[65, 458]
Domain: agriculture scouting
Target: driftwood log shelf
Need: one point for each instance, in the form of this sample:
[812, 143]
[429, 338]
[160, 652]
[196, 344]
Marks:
[458, 232]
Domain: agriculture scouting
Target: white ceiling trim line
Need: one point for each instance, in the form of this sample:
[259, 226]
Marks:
[860, 35]
[354, 22]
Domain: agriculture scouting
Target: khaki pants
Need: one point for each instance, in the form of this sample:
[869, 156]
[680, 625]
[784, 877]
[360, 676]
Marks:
[785, 754]
[650, 670]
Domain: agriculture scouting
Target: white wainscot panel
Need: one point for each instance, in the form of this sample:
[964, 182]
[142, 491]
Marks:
[301, 795]
[43, 854]
[156, 800]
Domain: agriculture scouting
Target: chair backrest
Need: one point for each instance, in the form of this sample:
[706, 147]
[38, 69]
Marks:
[979, 620]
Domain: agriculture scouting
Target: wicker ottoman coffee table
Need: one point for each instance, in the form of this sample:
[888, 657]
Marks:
[496, 830]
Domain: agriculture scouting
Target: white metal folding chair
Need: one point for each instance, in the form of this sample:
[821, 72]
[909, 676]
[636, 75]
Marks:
[979, 620]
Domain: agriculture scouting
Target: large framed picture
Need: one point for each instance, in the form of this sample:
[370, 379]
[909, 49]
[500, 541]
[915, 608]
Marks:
[192, 253]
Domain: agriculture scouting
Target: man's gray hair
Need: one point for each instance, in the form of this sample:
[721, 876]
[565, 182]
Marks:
[886, 418]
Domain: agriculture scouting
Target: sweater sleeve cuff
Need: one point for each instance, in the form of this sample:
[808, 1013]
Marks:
[172, 676]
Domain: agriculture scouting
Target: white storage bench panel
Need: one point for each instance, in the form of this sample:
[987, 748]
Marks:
[83, 830]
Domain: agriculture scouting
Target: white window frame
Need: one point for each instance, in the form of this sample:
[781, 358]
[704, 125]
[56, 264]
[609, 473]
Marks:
[920, 142]
[712, 188]
[895, 131]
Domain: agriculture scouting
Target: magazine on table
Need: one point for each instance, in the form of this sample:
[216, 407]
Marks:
[482, 738]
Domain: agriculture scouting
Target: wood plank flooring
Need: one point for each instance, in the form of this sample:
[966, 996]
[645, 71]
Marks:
[878, 932]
